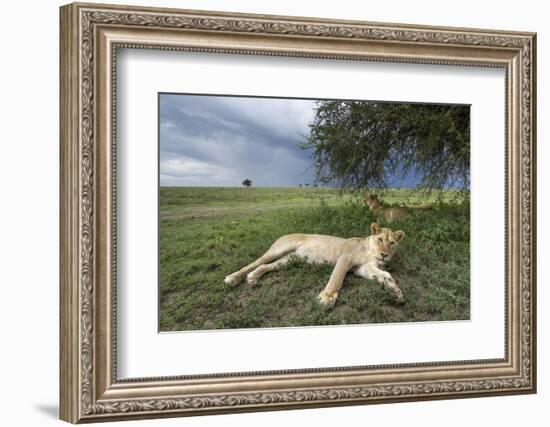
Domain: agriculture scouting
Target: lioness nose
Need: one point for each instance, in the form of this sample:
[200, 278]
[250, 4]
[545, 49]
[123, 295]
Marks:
[384, 254]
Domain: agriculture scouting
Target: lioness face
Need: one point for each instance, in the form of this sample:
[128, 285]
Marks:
[386, 241]
[373, 202]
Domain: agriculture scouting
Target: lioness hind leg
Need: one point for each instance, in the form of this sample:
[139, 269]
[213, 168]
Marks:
[275, 252]
[252, 278]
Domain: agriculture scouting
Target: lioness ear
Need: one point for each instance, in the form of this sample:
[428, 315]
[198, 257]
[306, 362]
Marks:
[375, 228]
[399, 234]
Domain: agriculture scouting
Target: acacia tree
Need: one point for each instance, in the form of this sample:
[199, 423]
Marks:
[358, 145]
[247, 182]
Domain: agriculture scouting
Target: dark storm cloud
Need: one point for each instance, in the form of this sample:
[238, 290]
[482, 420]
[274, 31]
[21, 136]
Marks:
[212, 140]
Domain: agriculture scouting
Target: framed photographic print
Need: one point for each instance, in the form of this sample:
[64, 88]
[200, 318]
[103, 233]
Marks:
[266, 212]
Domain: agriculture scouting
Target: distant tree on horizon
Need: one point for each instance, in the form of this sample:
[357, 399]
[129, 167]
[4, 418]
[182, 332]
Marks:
[247, 183]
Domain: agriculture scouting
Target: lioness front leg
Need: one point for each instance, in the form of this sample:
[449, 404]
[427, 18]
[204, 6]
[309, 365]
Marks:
[329, 295]
[371, 271]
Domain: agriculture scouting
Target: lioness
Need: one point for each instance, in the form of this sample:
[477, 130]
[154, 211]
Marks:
[362, 255]
[391, 213]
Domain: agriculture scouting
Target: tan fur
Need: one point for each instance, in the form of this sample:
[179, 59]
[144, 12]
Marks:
[362, 255]
[390, 214]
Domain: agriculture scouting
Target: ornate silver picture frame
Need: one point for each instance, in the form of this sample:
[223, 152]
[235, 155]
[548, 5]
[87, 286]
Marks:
[91, 35]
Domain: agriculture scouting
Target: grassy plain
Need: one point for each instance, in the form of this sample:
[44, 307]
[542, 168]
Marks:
[207, 233]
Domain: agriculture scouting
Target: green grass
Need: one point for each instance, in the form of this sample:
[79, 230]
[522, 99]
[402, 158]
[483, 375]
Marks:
[208, 233]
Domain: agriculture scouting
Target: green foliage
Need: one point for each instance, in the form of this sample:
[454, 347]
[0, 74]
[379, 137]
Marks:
[359, 145]
[207, 233]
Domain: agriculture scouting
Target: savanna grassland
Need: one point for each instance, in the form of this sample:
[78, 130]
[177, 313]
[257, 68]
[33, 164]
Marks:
[208, 233]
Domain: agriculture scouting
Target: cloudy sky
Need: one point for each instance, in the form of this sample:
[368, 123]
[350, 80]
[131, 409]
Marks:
[220, 141]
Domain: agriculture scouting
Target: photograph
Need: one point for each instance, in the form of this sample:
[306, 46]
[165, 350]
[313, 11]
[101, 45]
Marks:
[289, 212]
[261, 211]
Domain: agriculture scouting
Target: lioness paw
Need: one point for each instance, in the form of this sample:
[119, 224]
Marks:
[327, 300]
[399, 299]
[232, 280]
[251, 279]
